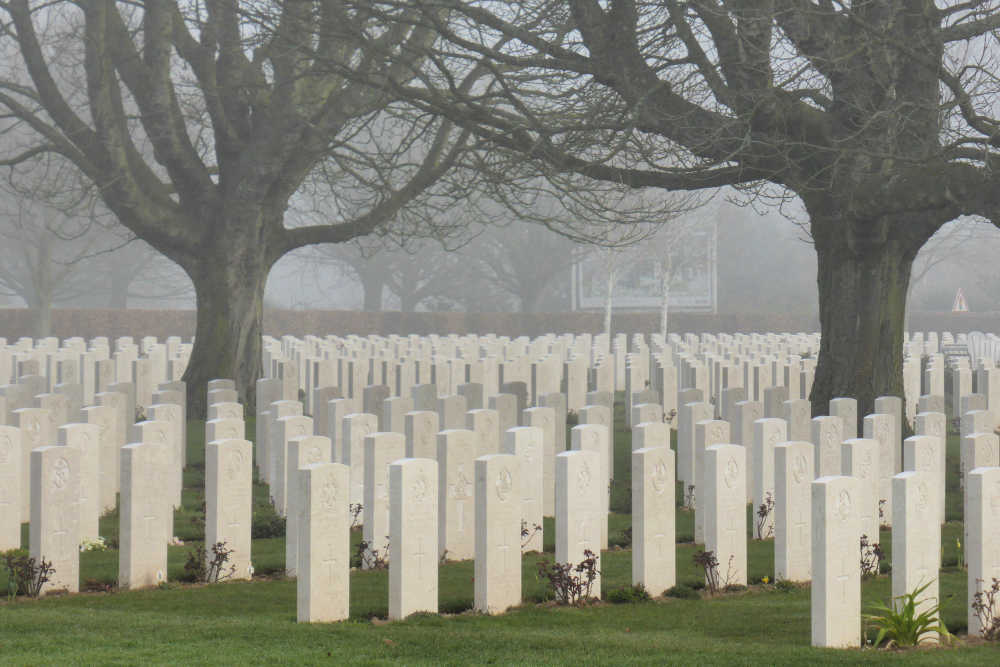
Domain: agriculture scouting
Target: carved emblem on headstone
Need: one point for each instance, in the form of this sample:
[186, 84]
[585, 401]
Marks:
[799, 466]
[60, 473]
[419, 490]
[865, 466]
[923, 496]
[732, 472]
[583, 478]
[504, 484]
[844, 505]
[659, 478]
[234, 464]
[328, 496]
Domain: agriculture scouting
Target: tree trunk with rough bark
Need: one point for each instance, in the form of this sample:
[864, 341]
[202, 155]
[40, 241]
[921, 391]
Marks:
[862, 307]
[230, 303]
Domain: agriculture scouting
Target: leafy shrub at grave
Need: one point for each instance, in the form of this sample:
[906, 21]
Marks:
[24, 576]
[266, 523]
[571, 584]
[629, 595]
[209, 569]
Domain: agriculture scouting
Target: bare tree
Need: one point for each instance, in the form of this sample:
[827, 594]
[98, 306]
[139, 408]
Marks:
[879, 116]
[198, 122]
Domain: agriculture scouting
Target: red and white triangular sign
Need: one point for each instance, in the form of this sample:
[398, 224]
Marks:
[960, 305]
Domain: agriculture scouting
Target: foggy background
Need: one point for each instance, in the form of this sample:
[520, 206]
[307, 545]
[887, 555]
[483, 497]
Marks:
[765, 264]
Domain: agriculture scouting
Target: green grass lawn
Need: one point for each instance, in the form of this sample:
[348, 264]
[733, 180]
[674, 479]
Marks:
[254, 622]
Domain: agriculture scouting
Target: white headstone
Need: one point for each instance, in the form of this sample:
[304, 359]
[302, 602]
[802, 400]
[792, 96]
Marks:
[11, 479]
[544, 418]
[142, 556]
[323, 582]
[229, 501]
[578, 509]
[54, 533]
[982, 537]
[725, 511]
[413, 560]
[793, 475]
[498, 533]
[456, 455]
[525, 443]
[767, 433]
[836, 568]
[86, 439]
[421, 434]
[847, 410]
[653, 519]
[381, 449]
[860, 459]
[356, 428]
[916, 541]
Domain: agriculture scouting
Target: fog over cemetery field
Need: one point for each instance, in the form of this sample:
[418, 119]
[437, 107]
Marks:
[460, 332]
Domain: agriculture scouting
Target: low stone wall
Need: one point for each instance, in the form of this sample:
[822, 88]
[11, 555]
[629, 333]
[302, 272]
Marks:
[88, 323]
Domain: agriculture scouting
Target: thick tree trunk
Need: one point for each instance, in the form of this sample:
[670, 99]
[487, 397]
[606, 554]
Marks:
[230, 298]
[372, 286]
[862, 307]
[408, 302]
[41, 315]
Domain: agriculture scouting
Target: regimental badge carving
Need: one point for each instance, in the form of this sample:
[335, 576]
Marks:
[583, 478]
[328, 496]
[419, 490]
[923, 497]
[659, 479]
[865, 466]
[844, 505]
[504, 484]
[60, 473]
[234, 464]
[314, 455]
[715, 434]
[732, 472]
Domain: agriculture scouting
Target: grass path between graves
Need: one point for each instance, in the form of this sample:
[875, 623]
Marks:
[254, 622]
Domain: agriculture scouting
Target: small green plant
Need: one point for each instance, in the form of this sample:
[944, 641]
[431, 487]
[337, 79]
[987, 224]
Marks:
[985, 604]
[267, 523]
[899, 624]
[571, 584]
[209, 568]
[961, 554]
[24, 576]
[785, 586]
[629, 595]
[683, 592]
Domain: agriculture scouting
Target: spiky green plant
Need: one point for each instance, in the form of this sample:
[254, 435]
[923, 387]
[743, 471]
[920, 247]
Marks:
[900, 625]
